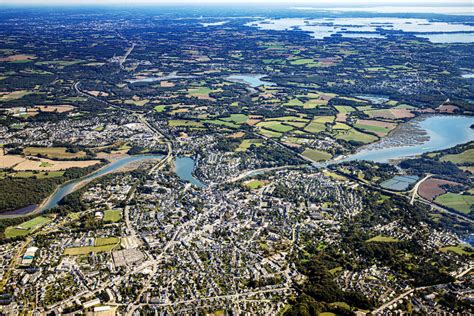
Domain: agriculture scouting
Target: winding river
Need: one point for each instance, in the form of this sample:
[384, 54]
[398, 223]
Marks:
[184, 169]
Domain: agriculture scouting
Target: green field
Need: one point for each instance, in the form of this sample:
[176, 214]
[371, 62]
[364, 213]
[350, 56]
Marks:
[464, 157]
[201, 91]
[458, 202]
[37, 174]
[343, 126]
[380, 130]
[14, 95]
[344, 108]
[294, 102]
[254, 184]
[289, 119]
[26, 228]
[236, 118]
[184, 123]
[275, 126]
[318, 124]
[246, 143]
[52, 152]
[381, 238]
[316, 155]
[62, 63]
[302, 61]
[112, 215]
[76, 251]
[160, 108]
[102, 241]
[355, 135]
[269, 133]
[460, 250]
[222, 123]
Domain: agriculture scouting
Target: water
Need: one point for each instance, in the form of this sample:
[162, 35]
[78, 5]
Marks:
[170, 76]
[68, 187]
[252, 80]
[444, 131]
[452, 10]
[184, 170]
[214, 23]
[350, 27]
[450, 38]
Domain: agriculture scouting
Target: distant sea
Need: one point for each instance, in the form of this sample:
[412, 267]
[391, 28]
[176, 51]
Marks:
[451, 10]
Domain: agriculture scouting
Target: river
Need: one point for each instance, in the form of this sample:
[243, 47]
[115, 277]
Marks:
[184, 170]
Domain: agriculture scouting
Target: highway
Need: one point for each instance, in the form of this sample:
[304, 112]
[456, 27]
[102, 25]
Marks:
[415, 188]
[408, 292]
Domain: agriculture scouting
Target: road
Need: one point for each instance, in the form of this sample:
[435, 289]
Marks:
[157, 134]
[226, 296]
[415, 188]
[404, 294]
[262, 170]
[124, 58]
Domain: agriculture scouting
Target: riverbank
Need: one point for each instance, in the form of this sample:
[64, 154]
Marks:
[423, 134]
[125, 163]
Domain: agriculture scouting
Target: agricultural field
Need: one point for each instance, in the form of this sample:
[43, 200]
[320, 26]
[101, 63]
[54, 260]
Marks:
[275, 126]
[393, 114]
[78, 251]
[200, 93]
[102, 241]
[466, 157]
[462, 250]
[184, 123]
[376, 127]
[236, 118]
[458, 202]
[43, 164]
[381, 238]
[318, 124]
[63, 108]
[431, 188]
[9, 96]
[53, 152]
[316, 155]
[355, 135]
[246, 143]
[26, 228]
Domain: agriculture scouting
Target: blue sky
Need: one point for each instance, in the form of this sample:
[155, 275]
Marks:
[296, 2]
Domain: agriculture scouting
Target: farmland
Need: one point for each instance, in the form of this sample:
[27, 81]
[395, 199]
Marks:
[26, 228]
[458, 202]
[85, 250]
[381, 238]
[431, 188]
[103, 241]
[246, 143]
[316, 155]
[466, 157]
[53, 152]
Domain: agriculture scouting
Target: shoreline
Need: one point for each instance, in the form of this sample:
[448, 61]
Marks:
[81, 182]
[405, 135]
